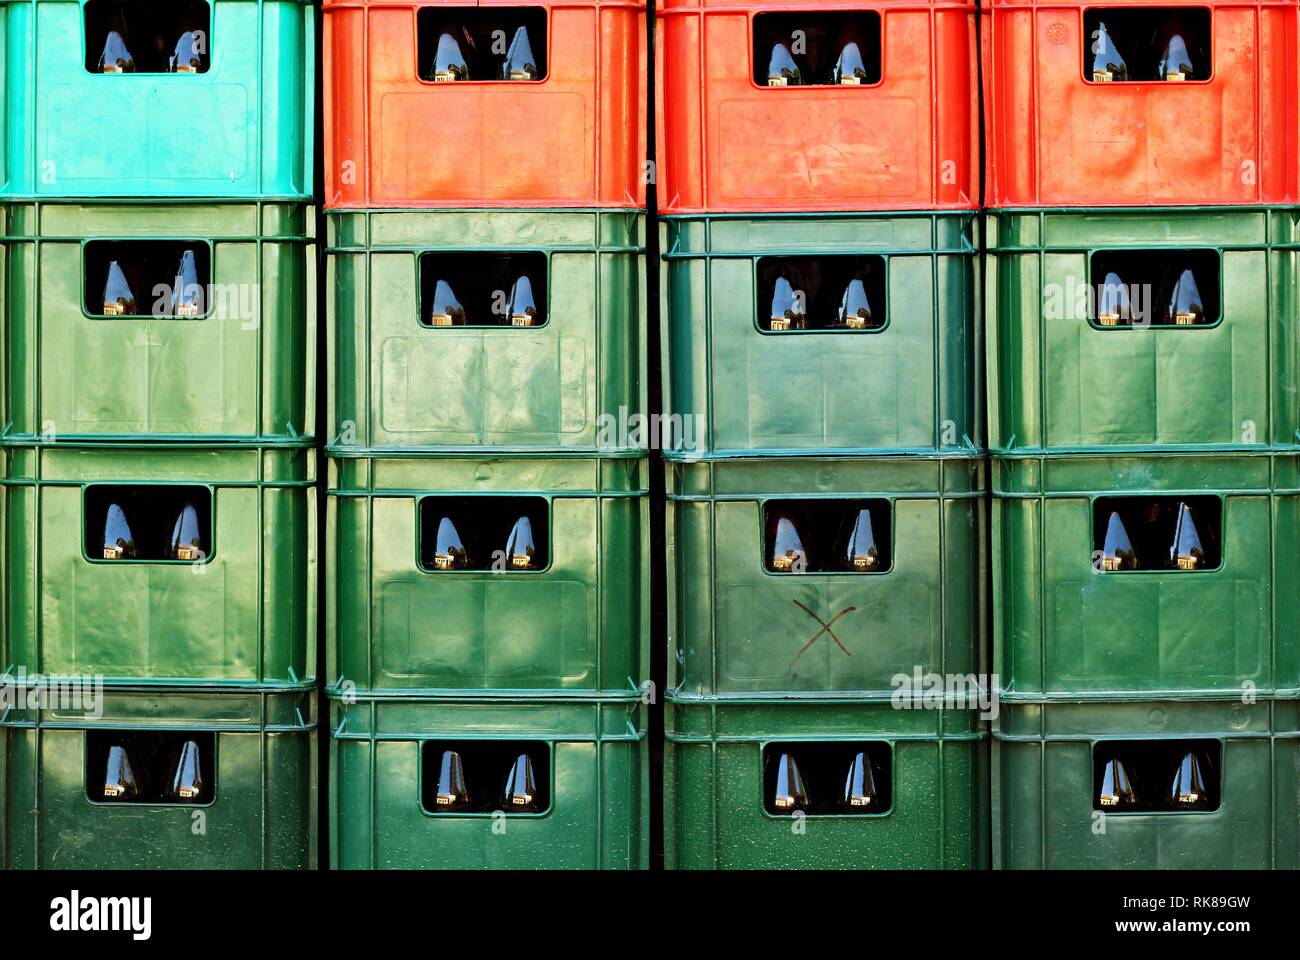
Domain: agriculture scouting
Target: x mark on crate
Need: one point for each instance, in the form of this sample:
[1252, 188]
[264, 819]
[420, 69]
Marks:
[825, 628]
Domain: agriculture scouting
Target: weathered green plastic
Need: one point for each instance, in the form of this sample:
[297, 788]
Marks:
[714, 816]
[739, 630]
[263, 815]
[1058, 383]
[599, 812]
[1062, 630]
[1043, 816]
[580, 626]
[574, 383]
[242, 129]
[244, 372]
[915, 386]
[244, 618]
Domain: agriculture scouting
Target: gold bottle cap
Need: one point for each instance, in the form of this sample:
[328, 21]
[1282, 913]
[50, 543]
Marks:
[856, 323]
[864, 562]
[114, 310]
[444, 561]
[1102, 76]
[780, 323]
[187, 553]
[521, 320]
[1108, 319]
[440, 320]
[186, 68]
[113, 790]
[113, 553]
[519, 75]
[1111, 563]
[859, 801]
[1184, 319]
[1189, 798]
[187, 310]
[783, 803]
[112, 68]
[444, 76]
[1110, 801]
[850, 81]
[783, 563]
[777, 82]
[1175, 76]
[187, 793]
[1188, 563]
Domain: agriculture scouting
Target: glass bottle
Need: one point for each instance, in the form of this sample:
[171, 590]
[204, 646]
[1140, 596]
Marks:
[522, 308]
[449, 63]
[1107, 64]
[782, 70]
[119, 543]
[788, 552]
[186, 57]
[1117, 551]
[788, 309]
[447, 310]
[520, 64]
[452, 793]
[849, 68]
[1176, 60]
[1113, 305]
[855, 310]
[120, 782]
[1187, 792]
[860, 795]
[119, 298]
[1186, 552]
[1186, 307]
[521, 552]
[187, 538]
[1116, 787]
[187, 781]
[859, 551]
[520, 794]
[790, 793]
[449, 552]
[187, 294]
[116, 58]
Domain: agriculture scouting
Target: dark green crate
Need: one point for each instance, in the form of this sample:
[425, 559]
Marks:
[578, 627]
[1063, 630]
[568, 384]
[598, 816]
[262, 816]
[1043, 783]
[1060, 383]
[732, 389]
[737, 629]
[244, 617]
[244, 371]
[714, 816]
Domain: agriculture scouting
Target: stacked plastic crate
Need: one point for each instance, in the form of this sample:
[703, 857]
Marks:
[156, 466]
[487, 506]
[1144, 413]
[826, 487]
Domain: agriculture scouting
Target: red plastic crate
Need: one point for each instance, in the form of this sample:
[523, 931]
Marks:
[1054, 139]
[726, 144]
[574, 139]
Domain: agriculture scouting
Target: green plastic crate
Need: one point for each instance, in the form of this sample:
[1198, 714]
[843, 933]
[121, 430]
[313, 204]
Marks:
[241, 129]
[1059, 382]
[1063, 630]
[739, 630]
[714, 814]
[579, 626]
[597, 818]
[732, 388]
[244, 617]
[262, 814]
[245, 371]
[572, 383]
[1043, 787]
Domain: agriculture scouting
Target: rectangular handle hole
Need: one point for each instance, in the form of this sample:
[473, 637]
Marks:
[828, 778]
[149, 523]
[483, 289]
[1170, 533]
[1163, 288]
[827, 536]
[1155, 776]
[147, 278]
[500, 534]
[149, 36]
[1137, 44]
[816, 49]
[481, 43]
[150, 767]
[460, 777]
[800, 294]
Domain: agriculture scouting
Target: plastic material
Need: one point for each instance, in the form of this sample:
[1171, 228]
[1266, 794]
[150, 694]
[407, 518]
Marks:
[1054, 138]
[598, 817]
[580, 625]
[573, 383]
[735, 388]
[575, 138]
[742, 630]
[242, 128]
[262, 815]
[1061, 382]
[241, 614]
[242, 369]
[1064, 628]
[909, 141]
[714, 813]
[1044, 783]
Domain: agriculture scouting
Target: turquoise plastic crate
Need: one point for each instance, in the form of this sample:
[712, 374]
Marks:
[242, 128]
